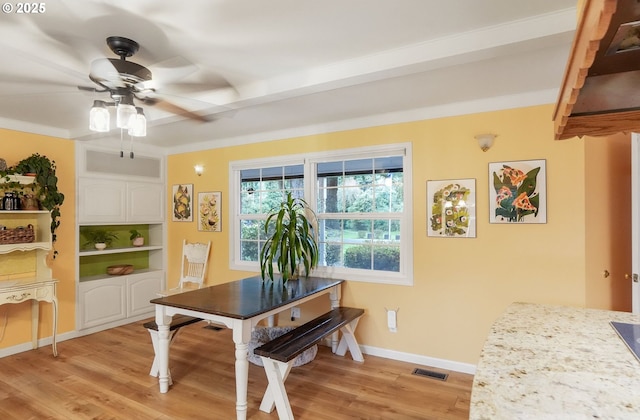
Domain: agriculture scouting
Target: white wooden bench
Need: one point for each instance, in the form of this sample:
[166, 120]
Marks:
[278, 355]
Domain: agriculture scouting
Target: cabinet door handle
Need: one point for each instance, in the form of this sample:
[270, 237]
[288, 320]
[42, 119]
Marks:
[20, 298]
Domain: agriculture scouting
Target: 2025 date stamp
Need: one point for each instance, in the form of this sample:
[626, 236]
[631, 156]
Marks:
[24, 8]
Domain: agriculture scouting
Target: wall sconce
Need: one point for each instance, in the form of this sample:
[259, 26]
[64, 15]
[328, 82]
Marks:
[198, 169]
[485, 141]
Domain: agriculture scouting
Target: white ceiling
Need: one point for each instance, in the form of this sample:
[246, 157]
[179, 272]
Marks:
[296, 66]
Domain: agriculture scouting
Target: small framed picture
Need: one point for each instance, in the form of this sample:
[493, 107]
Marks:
[209, 211]
[518, 191]
[182, 203]
[451, 208]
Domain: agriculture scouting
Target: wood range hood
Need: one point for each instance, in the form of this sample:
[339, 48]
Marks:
[600, 93]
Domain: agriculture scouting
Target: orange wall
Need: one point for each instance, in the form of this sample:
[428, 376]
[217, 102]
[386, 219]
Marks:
[15, 146]
[460, 285]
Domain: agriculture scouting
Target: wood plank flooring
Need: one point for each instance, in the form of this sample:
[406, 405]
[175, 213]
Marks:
[106, 376]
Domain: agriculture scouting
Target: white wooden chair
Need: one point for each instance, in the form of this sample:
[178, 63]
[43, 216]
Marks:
[195, 258]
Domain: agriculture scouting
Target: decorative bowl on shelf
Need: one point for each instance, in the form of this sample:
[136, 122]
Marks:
[120, 269]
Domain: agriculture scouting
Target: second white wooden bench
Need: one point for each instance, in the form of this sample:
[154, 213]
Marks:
[278, 355]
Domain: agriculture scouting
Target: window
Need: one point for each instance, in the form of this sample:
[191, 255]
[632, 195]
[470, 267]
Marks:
[261, 190]
[361, 198]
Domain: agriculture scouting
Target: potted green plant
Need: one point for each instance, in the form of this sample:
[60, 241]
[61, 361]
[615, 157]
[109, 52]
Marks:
[136, 238]
[45, 186]
[100, 238]
[291, 240]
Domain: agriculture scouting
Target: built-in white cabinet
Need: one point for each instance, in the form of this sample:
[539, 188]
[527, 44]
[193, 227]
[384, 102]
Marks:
[145, 202]
[108, 301]
[119, 194]
[103, 301]
[116, 201]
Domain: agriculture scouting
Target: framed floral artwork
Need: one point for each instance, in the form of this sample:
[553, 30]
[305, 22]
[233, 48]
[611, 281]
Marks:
[209, 211]
[451, 208]
[518, 192]
[182, 203]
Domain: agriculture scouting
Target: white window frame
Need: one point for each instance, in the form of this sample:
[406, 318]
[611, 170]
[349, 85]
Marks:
[309, 160]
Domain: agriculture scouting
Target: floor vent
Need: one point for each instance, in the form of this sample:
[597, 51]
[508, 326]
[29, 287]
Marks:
[431, 374]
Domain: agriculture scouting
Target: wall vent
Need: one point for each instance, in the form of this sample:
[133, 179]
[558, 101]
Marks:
[431, 374]
[111, 163]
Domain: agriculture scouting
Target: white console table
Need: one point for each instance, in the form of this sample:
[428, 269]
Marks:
[36, 290]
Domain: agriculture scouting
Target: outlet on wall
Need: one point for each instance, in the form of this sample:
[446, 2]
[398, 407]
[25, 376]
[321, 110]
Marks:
[295, 313]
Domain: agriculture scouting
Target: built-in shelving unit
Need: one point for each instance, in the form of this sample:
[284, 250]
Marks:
[118, 195]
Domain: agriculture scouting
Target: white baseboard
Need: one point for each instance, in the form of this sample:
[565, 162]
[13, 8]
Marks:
[413, 358]
[419, 359]
[46, 341]
[43, 342]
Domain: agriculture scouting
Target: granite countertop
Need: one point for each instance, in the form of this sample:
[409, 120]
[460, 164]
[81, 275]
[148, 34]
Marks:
[556, 362]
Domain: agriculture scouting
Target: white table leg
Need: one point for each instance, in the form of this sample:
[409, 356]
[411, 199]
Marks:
[163, 322]
[335, 296]
[241, 337]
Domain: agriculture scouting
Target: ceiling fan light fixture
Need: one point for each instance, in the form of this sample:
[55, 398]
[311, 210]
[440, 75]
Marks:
[99, 118]
[124, 115]
[138, 124]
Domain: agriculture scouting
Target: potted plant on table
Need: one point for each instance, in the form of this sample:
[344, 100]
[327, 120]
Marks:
[100, 238]
[291, 240]
[136, 238]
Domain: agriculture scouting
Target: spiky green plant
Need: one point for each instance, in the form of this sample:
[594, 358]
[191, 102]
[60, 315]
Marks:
[292, 240]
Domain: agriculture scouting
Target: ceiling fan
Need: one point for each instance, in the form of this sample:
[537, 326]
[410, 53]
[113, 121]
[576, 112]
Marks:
[126, 81]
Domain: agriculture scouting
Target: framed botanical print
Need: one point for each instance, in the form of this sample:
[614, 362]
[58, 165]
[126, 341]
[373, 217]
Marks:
[451, 208]
[518, 191]
[209, 217]
[182, 203]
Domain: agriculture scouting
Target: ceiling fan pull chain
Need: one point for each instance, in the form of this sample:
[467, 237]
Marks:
[121, 142]
[131, 148]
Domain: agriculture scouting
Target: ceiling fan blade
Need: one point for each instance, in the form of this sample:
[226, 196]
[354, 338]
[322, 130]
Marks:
[14, 79]
[104, 73]
[46, 62]
[172, 69]
[178, 76]
[89, 89]
[178, 110]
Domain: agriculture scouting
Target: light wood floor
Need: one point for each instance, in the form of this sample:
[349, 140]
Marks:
[105, 376]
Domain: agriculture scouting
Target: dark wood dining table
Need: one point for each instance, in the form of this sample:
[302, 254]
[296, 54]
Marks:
[239, 305]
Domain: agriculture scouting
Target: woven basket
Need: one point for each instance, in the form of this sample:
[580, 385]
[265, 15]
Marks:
[120, 269]
[19, 235]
